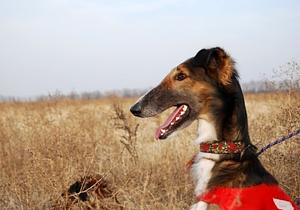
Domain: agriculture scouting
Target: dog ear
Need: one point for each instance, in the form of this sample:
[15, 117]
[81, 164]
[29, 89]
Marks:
[202, 58]
[218, 64]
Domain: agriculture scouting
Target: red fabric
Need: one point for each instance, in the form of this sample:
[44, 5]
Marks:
[204, 147]
[259, 197]
[232, 147]
[224, 147]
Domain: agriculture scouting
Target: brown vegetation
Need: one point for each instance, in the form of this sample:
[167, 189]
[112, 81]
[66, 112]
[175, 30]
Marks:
[46, 146]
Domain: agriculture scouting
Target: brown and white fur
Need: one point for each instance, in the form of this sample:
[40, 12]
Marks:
[208, 85]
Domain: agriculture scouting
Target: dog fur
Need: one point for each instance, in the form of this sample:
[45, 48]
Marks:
[208, 84]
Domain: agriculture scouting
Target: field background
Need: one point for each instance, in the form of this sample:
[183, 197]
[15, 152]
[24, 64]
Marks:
[46, 146]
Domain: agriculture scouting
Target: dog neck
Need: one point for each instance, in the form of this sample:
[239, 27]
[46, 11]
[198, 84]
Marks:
[204, 162]
[206, 131]
[218, 125]
[206, 167]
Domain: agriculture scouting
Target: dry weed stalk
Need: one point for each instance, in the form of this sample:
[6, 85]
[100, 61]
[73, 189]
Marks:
[90, 192]
[129, 136]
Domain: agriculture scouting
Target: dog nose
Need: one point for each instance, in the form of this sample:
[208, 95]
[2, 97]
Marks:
[136, 109]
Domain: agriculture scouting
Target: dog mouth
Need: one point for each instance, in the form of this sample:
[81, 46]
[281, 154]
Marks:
[173, 122]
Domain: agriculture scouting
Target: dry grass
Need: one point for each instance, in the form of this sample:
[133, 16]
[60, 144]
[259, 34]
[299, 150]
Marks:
[46, 146]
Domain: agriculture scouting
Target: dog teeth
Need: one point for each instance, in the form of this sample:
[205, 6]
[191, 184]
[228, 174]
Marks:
[172, 123]
[184, 108]
[163, 131]
[177, 118]
[182, 112]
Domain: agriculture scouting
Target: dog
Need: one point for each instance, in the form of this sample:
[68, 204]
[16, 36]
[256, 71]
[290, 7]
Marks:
[227, 172]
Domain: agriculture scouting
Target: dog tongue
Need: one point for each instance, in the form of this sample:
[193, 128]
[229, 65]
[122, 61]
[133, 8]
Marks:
[167, 123]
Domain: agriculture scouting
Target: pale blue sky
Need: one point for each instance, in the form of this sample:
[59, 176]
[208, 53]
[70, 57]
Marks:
[77, 45]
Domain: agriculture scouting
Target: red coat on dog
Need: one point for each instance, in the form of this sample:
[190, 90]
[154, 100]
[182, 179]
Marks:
[259, 197]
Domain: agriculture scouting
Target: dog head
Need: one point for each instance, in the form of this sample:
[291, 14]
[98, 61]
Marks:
[196, 88]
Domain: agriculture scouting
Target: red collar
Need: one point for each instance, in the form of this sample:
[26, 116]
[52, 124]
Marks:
[224, 147]
[260, 196]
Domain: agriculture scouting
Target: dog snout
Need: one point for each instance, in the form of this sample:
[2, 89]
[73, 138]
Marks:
[136, 109]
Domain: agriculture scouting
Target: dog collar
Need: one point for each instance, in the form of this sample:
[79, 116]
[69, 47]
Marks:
[224, 147]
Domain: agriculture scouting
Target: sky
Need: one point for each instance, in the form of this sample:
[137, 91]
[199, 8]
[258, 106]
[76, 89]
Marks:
[90, 45]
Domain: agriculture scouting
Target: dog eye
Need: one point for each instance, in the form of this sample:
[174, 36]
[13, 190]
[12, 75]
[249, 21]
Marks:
[180, 76]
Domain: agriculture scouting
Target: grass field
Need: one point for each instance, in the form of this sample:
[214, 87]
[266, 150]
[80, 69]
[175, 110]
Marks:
[46, 146]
